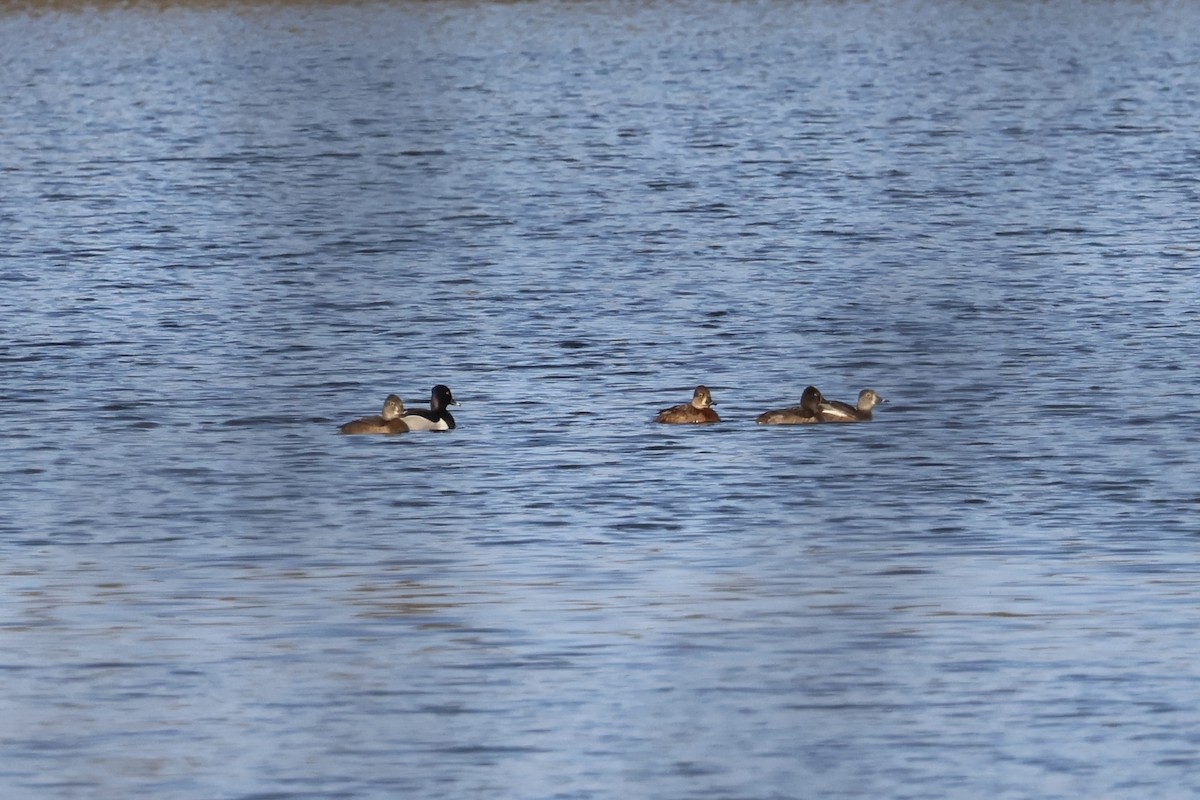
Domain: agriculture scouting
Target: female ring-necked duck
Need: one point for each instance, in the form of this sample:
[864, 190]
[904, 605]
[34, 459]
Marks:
[697, 411]
[836, 411]
[437, 418]
[387, 422]
[807, 412]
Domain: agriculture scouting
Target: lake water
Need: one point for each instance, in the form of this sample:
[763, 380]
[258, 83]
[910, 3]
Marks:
[227, 229]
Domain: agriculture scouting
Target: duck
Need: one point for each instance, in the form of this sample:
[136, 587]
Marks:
[837, 411]
[698, 411]
[437, 418]
[389, 420]
[807, 412]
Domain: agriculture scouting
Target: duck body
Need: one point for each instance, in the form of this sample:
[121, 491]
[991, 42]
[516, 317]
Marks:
[837, 411]
[697, 412]
[374, 425]
[808, 412]
[437, 418]
[390, 421]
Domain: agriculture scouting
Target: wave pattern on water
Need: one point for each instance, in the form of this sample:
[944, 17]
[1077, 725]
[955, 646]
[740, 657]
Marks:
[228, 228]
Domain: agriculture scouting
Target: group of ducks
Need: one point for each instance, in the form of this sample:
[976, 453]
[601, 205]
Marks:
[813, 408]
[395, 419]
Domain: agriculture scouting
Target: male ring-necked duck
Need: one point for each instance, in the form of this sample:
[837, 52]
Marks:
[387, 422]
[807, 412]
[836, 411]
[437, 418]
[697, 411]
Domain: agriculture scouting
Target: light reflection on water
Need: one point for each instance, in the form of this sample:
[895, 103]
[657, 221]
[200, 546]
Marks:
[229, 229]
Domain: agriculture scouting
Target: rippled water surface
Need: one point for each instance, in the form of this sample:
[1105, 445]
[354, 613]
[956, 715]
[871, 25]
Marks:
[224, 230]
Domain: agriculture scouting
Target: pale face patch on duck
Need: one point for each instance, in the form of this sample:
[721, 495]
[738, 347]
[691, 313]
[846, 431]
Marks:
[393, 407]
[702, 398]
[868, 399]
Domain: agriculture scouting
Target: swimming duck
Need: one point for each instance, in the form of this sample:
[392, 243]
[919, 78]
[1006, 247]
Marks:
[437, 418]
[836, 411]
[807, 412]
[697, 411]
[389, 421]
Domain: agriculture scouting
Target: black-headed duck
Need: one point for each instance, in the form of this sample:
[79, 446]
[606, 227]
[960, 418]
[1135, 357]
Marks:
[389, 421]
[696, 412]
[836, 411]
[807, 412]
[437, 418]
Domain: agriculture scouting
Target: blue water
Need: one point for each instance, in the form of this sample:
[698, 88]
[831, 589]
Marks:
[226, 229]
